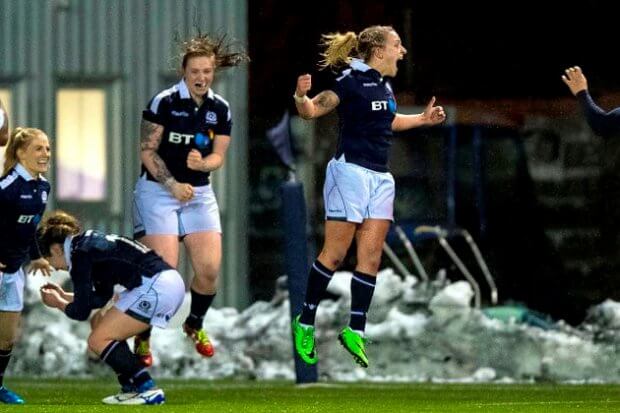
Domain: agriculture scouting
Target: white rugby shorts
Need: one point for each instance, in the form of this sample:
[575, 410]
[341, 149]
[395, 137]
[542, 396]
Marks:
[156, 211]
[12, 290]
[156, 301]
[353, 193]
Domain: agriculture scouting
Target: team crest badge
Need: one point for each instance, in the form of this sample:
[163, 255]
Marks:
[211, 117]
[44, 196]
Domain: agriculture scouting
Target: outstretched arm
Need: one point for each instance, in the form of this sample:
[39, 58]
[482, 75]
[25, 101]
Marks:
[432, 115]
[318, 106]
[602, 123]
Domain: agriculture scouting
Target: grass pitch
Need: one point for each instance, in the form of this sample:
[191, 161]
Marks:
[187, 396]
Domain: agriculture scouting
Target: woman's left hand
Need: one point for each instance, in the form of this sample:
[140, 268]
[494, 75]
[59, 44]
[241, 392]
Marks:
[433, 114]
[42, 265]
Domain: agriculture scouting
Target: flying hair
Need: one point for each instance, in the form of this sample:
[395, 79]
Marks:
[341, 47]
[227, 52]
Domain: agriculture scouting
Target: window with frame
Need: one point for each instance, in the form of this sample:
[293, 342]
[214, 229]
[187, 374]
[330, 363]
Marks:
[81, 167]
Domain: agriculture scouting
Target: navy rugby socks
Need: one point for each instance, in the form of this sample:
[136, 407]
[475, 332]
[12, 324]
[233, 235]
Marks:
[318, 280]
[198, 308]
[362, 289]
[5, 356]
[125, 364]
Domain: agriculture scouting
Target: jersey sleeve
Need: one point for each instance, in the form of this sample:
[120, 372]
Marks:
[602, 123]
[341, 85]
[101, 298]
[156, 110]
[4, 207]
[224, 125]
[35, 251]
[82, 303]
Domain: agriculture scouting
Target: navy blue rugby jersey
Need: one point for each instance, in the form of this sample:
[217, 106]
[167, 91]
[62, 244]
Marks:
[187, 126]
[97, 262]
[22, 202]
[367, 108]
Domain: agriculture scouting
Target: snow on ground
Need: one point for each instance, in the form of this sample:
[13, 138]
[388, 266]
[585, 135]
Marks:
[417, 332]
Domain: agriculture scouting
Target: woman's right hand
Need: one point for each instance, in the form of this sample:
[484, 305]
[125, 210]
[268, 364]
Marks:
[2, 266]
[182, 192]
[304, 84]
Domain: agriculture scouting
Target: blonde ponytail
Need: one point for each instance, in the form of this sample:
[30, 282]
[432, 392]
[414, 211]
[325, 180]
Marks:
[338, 49]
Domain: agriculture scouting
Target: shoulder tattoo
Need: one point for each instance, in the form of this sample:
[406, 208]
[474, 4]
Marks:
[150, 135]
[327, 99]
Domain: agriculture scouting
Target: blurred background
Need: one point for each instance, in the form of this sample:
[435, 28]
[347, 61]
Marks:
[515, 164]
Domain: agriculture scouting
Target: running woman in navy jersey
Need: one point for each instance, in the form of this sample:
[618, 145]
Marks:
[97, 262]
[359, 190]
[185, 133]
[602, 122]
[23, 196]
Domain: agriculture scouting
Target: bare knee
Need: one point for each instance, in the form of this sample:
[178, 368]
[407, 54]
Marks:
[208, 274]
[368, 262]
[97, 342]
[331, 260]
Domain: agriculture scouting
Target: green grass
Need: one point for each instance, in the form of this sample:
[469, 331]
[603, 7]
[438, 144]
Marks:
[186, 396]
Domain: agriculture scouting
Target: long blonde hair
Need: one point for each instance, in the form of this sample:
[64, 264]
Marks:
[20, 139]
[340, 47]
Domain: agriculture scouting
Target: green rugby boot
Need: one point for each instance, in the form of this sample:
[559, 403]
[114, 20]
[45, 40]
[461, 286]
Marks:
[304, 342]
[354, 343]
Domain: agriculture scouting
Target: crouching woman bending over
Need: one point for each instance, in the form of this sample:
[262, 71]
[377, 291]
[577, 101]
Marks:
[97, 262]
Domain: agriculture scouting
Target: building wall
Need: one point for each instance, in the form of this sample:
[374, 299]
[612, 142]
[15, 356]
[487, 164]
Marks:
[127, 48]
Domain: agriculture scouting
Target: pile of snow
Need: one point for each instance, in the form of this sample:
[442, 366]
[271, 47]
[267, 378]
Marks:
[417, 332]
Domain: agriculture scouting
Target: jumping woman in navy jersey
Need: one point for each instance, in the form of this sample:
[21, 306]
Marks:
[359, 190]
[23, 196]
[606, 124]
[97, 262]
[185, 133]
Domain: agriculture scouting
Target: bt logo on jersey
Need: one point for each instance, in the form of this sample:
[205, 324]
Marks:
[379, 105]
[176, 137]
[25, 219]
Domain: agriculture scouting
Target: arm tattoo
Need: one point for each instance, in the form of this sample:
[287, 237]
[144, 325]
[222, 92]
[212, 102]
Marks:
[325, 100]
[150, 138]
[150, 135]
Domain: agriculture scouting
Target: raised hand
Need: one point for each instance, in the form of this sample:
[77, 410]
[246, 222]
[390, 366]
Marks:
[433, 114]
[575, 80]
[304, 84]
